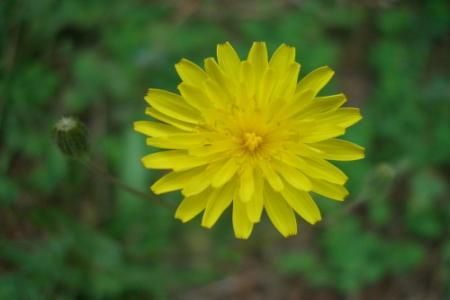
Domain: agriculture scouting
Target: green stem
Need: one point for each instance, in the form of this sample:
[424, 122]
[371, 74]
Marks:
[116, 181]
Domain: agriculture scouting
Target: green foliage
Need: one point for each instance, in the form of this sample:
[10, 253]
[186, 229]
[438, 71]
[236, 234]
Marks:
[67, 234]
[352, 257]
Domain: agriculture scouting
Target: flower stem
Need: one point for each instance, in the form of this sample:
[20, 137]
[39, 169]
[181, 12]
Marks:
[116, 181]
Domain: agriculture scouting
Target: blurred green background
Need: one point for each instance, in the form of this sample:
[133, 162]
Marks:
[65, 233]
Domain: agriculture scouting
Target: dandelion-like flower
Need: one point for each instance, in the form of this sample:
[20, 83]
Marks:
[247, 134]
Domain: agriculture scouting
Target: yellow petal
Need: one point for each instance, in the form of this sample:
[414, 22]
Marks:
[202, 180]
[279, 212]
[302, 203]
[286, 83]
[336, 149]
[155, 129]
[218, 201]
[172, 105]
[242, 95]
[219, 146]
[257, 56]
[255, 205]
[194, 96]
[315, 167]
[316, 80]
[282, 57]
[271, 176]
[190, 72]
[172, 159]
[300, 100]
[217, 94]
[179, 141]
[304, 149]
[241, 223]
[330, 190]
[344, 117]
[320, 133]
[191, 206]
[174, 181]
[248, 78]
[323, 105]
[247, 184]
[258, 59]
[293, 176]
[225, 173]
[319, 168]
[266, 85]
[169, 120]
[216, 73]
[228, 59]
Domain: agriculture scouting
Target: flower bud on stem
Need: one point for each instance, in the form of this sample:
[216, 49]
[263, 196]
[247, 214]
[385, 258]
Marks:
[71, 138]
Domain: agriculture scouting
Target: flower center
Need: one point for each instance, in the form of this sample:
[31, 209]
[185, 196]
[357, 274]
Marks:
[252, 141]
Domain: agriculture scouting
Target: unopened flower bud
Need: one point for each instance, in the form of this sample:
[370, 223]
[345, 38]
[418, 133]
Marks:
[70, 136]
[385, 170]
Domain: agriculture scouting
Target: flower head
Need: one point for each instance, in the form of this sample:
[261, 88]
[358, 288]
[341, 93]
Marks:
[247, 134]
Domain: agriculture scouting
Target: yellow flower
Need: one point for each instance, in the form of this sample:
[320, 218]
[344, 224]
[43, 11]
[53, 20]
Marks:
[245, 133]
